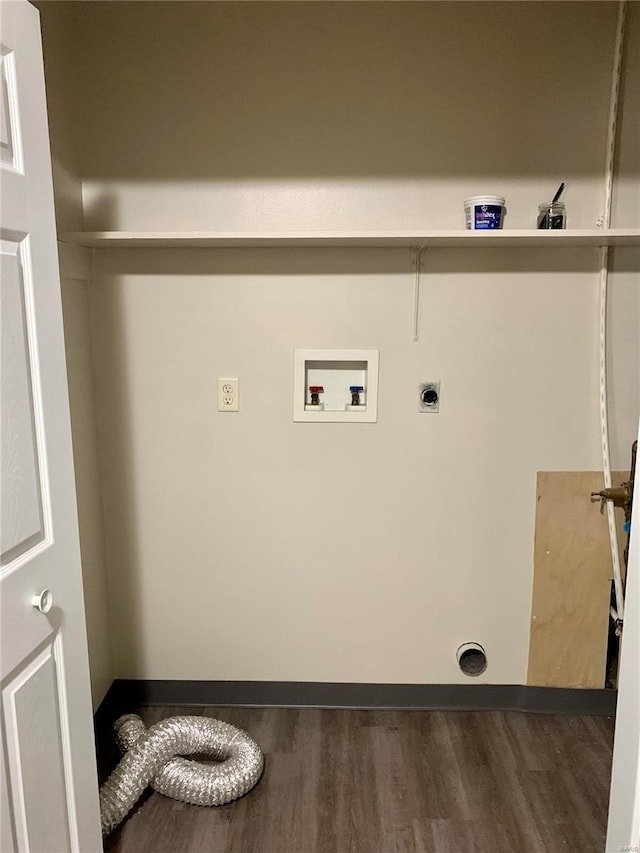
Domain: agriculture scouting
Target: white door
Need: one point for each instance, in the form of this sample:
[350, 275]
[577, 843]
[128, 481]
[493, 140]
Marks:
[49, 794]
[623, 831]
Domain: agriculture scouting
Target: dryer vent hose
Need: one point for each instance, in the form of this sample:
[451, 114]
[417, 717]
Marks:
[156, 757]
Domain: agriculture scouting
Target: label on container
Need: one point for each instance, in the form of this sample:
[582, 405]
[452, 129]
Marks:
[487, 216]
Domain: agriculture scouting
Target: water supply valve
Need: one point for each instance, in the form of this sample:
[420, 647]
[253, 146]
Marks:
[315, 391]
[620, 496]
[356, 390]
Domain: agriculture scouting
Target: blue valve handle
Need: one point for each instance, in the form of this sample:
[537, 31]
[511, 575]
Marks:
[356, 389]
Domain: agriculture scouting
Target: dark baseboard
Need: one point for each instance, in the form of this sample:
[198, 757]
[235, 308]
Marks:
[126, 694]
[114, 705]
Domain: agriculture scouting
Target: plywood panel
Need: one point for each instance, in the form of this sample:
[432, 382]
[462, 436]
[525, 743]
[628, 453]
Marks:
[571, 588]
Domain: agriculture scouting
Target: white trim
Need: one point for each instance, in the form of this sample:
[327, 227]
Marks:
[616, 74]
[604, 432]
[623, 830]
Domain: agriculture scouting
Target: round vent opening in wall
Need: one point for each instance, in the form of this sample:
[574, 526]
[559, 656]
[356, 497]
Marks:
[472, 659]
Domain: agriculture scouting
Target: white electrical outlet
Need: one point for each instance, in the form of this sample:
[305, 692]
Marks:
[228, 395]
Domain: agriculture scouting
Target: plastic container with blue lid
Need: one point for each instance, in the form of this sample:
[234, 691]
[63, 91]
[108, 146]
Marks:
[484, 212]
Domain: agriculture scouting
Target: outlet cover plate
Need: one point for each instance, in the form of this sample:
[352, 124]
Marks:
[228, 395]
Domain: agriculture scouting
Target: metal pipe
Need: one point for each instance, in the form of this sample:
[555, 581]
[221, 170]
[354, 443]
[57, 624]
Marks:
[472, 658]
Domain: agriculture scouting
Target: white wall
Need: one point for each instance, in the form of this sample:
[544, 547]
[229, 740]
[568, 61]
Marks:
[249, 547]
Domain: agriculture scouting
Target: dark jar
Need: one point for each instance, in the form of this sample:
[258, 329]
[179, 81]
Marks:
[552, 215]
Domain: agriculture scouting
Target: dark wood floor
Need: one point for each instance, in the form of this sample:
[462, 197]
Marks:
[393, 781]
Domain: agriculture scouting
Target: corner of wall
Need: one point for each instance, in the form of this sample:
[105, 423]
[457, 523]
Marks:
[75, 270]
[59, 48]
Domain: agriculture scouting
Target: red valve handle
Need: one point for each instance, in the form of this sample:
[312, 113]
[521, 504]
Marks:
[316, 389]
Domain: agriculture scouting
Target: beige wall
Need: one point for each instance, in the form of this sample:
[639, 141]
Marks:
[624, 301]
[240, 116]
[59, 46]
[249, 547]
[626, 196]
[88, 488]
[623, 338]
[75, 268]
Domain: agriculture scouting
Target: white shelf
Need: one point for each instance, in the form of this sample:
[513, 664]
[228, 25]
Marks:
[383, 239]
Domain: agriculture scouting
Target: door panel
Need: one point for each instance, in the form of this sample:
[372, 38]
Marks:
[22, 521]
[10, 147]
[49, 780]
[34, 746]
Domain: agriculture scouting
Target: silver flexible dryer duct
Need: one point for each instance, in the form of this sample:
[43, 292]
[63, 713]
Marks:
[152, 757]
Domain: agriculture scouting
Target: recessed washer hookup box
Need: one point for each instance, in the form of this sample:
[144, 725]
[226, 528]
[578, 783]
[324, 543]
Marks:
[331, 385]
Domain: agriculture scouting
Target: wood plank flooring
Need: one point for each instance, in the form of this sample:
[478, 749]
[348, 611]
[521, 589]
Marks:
[343, 781]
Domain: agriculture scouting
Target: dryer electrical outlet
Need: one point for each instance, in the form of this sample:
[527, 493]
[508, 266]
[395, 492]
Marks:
[429, 397]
